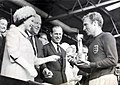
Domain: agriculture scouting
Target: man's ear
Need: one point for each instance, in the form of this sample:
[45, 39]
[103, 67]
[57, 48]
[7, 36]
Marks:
[50, 34]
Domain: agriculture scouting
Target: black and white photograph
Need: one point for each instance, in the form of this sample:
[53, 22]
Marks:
[59, 42]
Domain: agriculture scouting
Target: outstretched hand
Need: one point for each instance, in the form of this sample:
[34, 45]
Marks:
[54, 57]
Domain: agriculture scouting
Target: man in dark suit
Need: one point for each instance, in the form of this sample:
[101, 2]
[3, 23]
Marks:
[58, 67]
[38, 47]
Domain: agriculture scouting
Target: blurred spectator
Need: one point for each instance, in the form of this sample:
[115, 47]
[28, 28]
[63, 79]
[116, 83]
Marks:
[3, 29]
[43, 38]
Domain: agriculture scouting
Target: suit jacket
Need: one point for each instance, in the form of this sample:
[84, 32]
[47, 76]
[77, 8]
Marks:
[58, 67]
[39, 49]
[2, 46]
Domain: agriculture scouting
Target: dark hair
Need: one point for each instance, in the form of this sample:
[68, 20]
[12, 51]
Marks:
[54, 27]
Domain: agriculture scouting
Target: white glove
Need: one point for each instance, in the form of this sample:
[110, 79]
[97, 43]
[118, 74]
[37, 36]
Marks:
[39, 61]
[47, 73]
[54, 57]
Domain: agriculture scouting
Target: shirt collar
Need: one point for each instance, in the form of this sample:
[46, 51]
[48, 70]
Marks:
[54, 44]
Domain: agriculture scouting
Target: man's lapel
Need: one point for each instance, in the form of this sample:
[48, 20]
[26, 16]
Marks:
[53, 49]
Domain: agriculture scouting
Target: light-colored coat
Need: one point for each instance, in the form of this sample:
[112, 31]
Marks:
[17, 45]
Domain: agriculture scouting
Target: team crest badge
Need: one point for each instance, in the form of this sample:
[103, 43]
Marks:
[95, 49]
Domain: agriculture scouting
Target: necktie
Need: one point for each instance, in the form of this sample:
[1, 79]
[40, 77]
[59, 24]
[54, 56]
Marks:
[31, 40]
[59, 54]
[58, 49]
